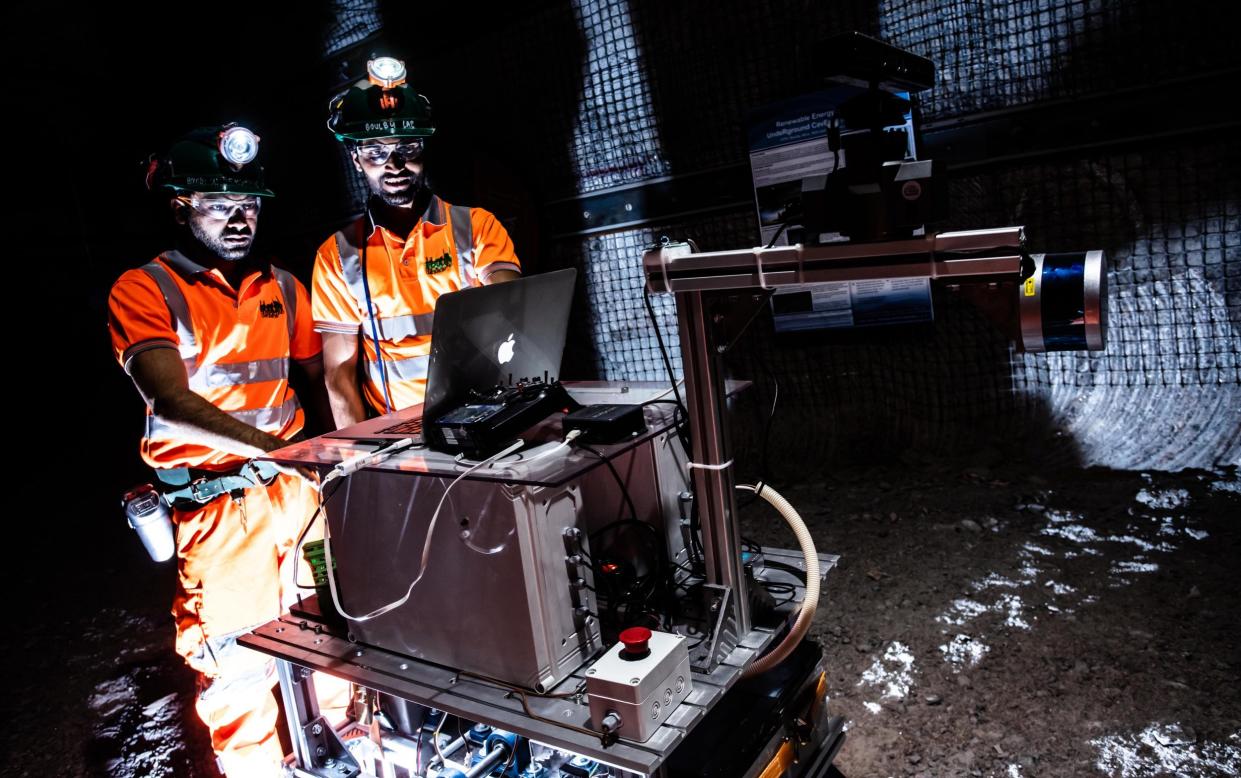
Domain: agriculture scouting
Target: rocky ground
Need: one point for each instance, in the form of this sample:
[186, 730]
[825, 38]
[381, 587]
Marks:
[987, 622]
[982, 621]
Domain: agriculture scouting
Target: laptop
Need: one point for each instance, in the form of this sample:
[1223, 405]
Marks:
[483, 337]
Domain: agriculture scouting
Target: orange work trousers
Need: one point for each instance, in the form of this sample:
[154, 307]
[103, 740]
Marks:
[235, 560]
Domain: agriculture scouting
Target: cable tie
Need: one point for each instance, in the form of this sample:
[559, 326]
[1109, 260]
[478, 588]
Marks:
[762, 277]
[699, 466]
[663, 268]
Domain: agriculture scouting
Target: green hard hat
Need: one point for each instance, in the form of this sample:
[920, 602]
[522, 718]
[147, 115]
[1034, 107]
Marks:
[380, 106]
[211, 160]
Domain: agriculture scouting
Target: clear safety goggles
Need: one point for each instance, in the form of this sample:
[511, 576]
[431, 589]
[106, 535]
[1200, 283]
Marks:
[220, 207]
[374, 153]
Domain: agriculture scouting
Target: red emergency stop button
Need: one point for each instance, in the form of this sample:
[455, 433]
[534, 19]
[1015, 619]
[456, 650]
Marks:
[635, 640]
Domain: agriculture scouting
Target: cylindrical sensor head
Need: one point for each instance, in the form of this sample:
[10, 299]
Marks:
[1064, 303]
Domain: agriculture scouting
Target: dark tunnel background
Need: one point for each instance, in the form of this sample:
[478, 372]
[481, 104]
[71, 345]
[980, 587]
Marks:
[547, 103]
[1094, 125]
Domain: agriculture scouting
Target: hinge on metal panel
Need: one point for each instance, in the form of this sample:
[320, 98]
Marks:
[721, 617]
[328, 755]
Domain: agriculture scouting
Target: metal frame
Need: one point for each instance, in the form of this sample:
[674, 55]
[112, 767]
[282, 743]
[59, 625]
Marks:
[975, 255]
[301, 645]
[318, 749]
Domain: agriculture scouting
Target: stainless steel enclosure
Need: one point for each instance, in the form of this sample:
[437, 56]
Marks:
[498, 596]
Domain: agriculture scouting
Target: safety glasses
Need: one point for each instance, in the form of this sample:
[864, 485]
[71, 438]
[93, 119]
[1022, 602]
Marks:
[220, 207]
[374, 153]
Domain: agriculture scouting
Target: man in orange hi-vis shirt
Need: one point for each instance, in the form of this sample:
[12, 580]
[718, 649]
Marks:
[381, 275]
[208, 334]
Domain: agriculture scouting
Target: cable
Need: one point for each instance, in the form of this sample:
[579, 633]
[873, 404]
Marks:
[426, 546]
[435, 736]
[633, 512]
[758, 308]
[667, 391]
[663, 350]
[765, 469]
[811, 599]
[779, 232]
[302, 537]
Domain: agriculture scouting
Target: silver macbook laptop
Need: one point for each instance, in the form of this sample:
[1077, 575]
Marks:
[481, 338]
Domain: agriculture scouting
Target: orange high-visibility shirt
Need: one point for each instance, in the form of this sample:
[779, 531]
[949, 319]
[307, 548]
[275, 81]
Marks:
[236, 346]
[404, 277]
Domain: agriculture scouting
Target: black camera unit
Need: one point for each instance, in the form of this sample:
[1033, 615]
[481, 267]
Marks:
[876, 191]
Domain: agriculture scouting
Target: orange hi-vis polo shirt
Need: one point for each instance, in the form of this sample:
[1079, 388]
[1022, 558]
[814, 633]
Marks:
[450, 248]
[236, 345]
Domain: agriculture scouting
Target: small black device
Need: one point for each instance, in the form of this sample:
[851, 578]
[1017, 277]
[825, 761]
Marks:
[607, 423]
[487, 421]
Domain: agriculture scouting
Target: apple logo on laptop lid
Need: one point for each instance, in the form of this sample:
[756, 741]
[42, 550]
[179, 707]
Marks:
[505, 354]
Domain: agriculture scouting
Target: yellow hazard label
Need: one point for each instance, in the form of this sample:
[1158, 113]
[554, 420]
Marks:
[1029, 287]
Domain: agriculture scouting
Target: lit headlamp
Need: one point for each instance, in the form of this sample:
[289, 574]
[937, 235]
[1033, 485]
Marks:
[387, 72]
[238, 145]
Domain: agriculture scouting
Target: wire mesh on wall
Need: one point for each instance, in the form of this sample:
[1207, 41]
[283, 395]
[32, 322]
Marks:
[1166, 217]
[996, 55]
[350, 22]
[612, 92]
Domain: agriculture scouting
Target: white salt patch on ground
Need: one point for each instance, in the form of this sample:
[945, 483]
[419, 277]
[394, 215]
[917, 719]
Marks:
[1012, 607]
[112, 696]
[1034, 548]
[873, 707]
[1029, 572]
[1140, 543]
[1167, 749]
[962, 610]
[1014, 771]
[893, 672]
[1133, 566]
[964, 651]
[992, 580]
[1166, 499]
[1059, 588]
[1227, 486]
[1197, 534]
[1074, 532]
[1061, 517]
[163, 709]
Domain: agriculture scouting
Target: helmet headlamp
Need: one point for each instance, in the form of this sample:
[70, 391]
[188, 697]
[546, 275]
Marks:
[238, 145]
[387, 72]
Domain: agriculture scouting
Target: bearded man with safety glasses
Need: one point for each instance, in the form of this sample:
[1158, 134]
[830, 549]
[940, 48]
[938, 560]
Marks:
[377, 280]
[209, 335]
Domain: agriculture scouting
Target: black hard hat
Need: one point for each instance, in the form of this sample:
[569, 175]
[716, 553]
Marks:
[209, 160]
[380, 106]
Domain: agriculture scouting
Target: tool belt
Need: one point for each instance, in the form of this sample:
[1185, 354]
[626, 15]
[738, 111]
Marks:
[186, 487]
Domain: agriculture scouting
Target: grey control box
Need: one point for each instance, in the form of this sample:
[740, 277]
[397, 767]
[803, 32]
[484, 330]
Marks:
[634, 692]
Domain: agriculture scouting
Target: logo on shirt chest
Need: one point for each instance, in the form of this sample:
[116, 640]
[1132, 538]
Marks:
[438, 264]
[271, 310]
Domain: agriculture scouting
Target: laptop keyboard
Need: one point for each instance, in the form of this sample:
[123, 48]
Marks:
[410, 427]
